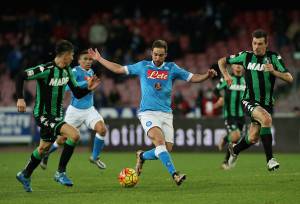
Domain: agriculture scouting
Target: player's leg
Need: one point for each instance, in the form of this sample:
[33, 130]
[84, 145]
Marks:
[73, 137]
[265, 119]
[247, 141]
[95, 121]
[35, 159]
[233, 138]
[100, 129]
[58, 142]
[226, 139]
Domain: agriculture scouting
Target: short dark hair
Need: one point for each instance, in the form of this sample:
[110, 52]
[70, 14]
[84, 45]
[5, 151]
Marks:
[63, 46]
[160, 44]
[83, 52]
[260, 33]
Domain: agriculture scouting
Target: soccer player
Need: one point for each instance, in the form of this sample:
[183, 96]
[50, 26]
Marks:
[52, 78]
[262, 67]
[83, 111]
[232, 108]
[155, 114]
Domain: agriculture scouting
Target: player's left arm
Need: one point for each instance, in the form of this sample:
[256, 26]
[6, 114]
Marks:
[197, 78]
[93, 83]
[279, 69]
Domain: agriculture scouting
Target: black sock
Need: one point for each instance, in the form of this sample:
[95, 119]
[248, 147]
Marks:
[32, 164]
[242, 145]
[227, 155]
[267, 143]
[65, 157]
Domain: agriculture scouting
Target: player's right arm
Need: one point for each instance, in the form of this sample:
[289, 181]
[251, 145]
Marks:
[114, 67]
[33, 73]
[233, 59]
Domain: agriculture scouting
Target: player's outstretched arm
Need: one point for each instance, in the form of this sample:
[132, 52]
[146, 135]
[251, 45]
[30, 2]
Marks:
[114, 67]
[222, 65]
[196, 78]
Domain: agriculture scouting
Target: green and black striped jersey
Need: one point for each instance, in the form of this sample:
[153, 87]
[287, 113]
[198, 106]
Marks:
[232, 96]
[50, 88]
[259, 83]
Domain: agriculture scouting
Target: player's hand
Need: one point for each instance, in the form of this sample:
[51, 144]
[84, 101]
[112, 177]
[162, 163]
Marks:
[93, 82]
[21, 105]
[94, 54]
[269, 68]
[228, 80]
[211, 73]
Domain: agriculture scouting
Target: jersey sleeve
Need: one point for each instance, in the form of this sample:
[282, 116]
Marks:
[37, 72]
[239, 58]
[75, 88]
[279, 64]
[134, 69]
[180, 73]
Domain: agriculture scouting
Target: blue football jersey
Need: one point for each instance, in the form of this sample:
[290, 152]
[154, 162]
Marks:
[156, 83]
[80, 76]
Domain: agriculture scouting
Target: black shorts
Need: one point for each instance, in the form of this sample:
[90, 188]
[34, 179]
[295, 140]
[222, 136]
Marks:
[249, 107]
[50, 127]
[234, 123]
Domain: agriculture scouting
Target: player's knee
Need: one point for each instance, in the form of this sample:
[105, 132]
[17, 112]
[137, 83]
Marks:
[43, 149]
[253, 139]
[267, 121]
[75, 136]
[102, 131]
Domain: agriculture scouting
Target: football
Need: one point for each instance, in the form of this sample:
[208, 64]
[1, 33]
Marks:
[128, 177]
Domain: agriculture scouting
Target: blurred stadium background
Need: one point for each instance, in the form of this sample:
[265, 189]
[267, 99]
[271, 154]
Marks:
[198, 34]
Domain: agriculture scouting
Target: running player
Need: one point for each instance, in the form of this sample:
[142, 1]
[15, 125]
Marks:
[232, 108]
[262, 67]
[52, 78]
[155, 114]
[83, 111]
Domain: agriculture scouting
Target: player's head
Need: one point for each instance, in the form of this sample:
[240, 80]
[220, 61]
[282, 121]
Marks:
[159, 52]
[64, 50]
[237, 69]
[84, 60]
[259, 42]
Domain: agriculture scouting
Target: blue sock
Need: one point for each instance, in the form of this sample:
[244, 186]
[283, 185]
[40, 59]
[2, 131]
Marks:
[165, 158]
[98, 146]
[149, 155]
[53, 148]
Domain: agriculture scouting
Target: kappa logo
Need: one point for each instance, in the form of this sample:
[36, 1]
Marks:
[42, 68]
[153, 74]
[148, 123]
[30, 73]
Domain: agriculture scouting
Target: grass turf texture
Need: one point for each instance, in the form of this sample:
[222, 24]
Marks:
[248, 182]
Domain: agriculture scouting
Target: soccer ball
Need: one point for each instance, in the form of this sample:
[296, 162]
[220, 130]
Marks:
[128, 177]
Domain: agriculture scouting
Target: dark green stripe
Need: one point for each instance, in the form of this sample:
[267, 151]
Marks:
[261, 81]
[227, 102]
[248, 77]
[48, 98]
[237, 100]
[59, 97]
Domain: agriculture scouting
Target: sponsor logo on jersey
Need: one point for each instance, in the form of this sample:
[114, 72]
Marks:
[157, 74]
[256, 66]
[237, 87]
[59, 81]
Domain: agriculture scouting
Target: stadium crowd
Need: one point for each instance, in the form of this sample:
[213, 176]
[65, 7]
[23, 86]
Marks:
[196, 37]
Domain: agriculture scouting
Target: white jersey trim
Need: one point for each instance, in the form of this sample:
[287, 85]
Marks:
[190, 76]
[126, 69]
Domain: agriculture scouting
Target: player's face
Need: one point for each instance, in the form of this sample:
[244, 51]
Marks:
[237, 69]
[158, 56]
[67, 58]
[259, 46]
[85, 61]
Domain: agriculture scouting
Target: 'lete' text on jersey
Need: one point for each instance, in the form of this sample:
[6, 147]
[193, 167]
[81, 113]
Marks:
[156, 83]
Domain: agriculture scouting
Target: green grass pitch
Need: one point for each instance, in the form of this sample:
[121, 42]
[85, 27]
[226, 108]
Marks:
[248, 182]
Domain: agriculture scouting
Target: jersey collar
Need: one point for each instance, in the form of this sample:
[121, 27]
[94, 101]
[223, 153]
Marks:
[161, 66]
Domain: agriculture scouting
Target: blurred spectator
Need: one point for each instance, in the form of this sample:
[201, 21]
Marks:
[207, 104]
[179, 105]
[114, 98]
[98, 33]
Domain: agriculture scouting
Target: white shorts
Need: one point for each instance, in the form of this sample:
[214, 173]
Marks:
[164, 121]
[76, 117]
